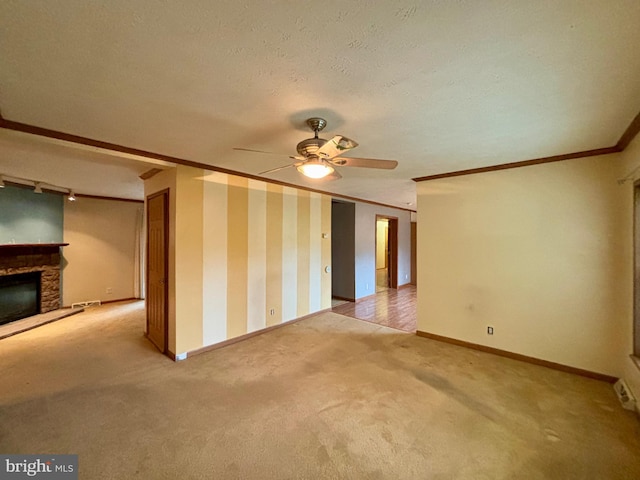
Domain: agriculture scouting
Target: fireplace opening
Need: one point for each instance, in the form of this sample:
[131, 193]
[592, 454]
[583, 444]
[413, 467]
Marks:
[19, 296]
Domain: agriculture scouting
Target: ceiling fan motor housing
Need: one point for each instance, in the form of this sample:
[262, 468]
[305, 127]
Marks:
[316, 124]
[310, 146]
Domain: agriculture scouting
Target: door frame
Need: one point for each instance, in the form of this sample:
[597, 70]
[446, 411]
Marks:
[165, 290]
[392, 243]
[636, 269]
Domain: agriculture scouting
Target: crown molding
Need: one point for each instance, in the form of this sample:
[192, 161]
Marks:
[629, 134]
[524, 163]
[627, 137]
[113, 147]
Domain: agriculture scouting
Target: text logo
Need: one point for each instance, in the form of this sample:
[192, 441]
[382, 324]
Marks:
[50, 467]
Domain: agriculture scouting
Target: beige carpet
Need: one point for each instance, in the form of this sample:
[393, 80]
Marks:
[328, 397]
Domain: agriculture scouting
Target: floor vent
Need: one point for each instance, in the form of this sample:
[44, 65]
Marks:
[624, 395]
[89, 303]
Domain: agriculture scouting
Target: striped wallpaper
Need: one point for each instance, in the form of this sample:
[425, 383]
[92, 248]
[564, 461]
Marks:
[263, 255]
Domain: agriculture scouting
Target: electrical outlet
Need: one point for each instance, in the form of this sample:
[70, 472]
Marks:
[272, 312]
[109, 290]
[489, 330]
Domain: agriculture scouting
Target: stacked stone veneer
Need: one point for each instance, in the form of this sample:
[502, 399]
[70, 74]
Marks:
[16, 259]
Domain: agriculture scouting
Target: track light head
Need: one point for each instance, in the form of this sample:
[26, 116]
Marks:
[37, 188]
[2, 182]
[72, 196]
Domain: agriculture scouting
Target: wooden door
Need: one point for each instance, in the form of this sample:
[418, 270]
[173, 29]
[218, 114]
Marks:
[157, 268]
[414, 253]
[392, 242]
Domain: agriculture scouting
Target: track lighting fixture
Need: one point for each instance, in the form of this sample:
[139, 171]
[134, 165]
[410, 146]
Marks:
[37, 186]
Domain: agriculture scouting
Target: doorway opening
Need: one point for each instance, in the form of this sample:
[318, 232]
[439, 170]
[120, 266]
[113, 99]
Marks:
[386, 253]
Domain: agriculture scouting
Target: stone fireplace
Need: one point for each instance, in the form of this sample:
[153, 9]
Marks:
[19, 259]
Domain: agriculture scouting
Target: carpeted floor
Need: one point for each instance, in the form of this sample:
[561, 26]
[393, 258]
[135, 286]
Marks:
[328, 397]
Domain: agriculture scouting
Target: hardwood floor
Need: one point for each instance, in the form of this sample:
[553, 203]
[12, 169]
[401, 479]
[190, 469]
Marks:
[391, 308]
[382, 279]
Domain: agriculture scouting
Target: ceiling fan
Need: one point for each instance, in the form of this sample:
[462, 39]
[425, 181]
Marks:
[318, 157]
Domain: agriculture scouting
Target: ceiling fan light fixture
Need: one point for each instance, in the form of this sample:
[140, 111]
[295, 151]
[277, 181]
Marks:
[315, 169]
[317, 156]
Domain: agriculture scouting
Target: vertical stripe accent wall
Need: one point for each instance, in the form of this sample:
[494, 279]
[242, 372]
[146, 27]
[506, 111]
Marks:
[257, 257]
[249, 255]
[214, 255]
[289, 254]
[237, 255]
[189, 261]
[274, 254]
[315, 271]
[325, 220]
[304, 252]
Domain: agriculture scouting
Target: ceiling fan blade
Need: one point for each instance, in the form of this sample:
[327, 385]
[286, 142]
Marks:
[336, 146]
[364, 162]
[260, 151]
[277, 169]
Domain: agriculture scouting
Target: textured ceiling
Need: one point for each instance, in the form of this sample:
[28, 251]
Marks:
[438, 86]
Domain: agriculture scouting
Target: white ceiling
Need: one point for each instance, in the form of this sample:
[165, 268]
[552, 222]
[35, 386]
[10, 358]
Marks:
[439, 86]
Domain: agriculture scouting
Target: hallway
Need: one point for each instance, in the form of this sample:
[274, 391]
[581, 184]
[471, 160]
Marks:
[390, 307]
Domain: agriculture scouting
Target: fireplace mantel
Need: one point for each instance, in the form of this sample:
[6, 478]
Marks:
[14, 245]
[29, 248]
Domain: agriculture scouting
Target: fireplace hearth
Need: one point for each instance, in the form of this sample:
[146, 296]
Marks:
[29, 280]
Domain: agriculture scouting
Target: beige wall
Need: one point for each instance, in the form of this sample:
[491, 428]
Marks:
[241, 249]
[101, 255]
[540, 253]
[188, 223]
